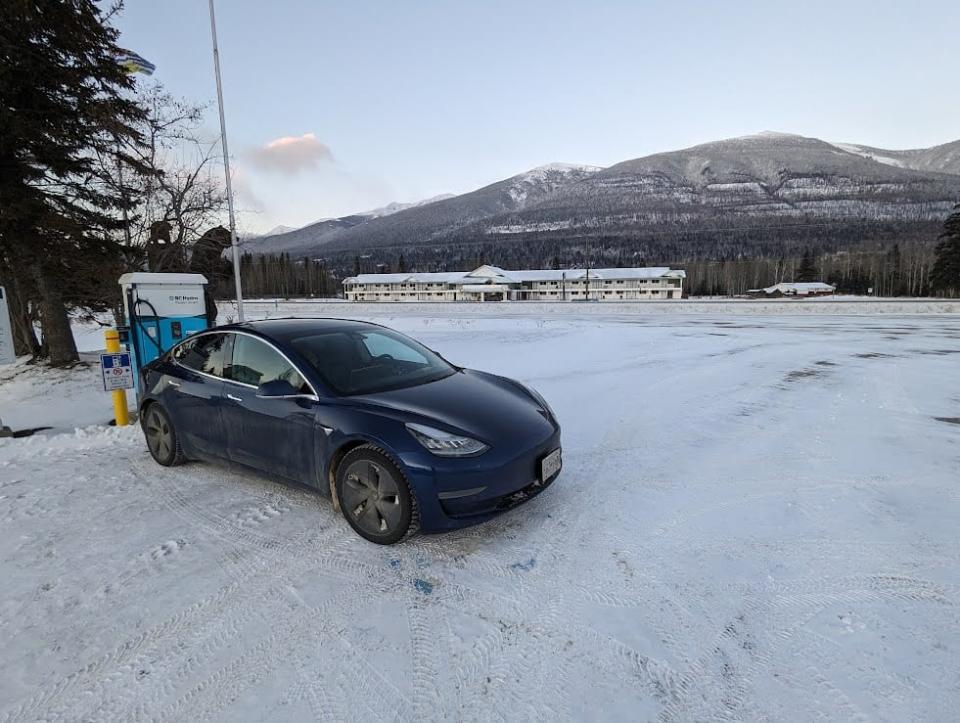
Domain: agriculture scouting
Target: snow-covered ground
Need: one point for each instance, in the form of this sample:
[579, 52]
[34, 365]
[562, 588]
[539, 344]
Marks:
[757, 519]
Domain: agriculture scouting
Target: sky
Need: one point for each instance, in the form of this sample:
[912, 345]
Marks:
[339, 107]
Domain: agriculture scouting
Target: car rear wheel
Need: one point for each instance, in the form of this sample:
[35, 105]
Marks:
[161, 436]
[375, 496]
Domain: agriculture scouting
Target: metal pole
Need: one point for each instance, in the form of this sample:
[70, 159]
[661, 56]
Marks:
[589, 254]
[120, 413]
[226, 166]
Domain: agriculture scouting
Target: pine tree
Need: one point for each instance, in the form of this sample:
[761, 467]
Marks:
[402, 264]
[945, 274]
[807, 271]
[62, 104]
[893, 271]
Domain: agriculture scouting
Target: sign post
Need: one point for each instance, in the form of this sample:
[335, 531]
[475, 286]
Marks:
[6, 334]
[117, 375]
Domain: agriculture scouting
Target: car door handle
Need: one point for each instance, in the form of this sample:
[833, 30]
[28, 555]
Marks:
[236, 399]
[173, 383]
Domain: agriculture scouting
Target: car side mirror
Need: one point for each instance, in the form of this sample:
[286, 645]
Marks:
[277, 389]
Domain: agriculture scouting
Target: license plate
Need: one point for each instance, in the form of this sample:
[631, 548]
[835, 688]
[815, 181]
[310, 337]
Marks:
[550, 465]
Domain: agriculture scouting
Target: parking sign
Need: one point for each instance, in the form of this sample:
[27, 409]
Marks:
[117, 372]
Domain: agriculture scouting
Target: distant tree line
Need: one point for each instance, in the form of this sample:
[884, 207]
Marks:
[945, 276]
[894, 260]
[279, 275]
[893, 272]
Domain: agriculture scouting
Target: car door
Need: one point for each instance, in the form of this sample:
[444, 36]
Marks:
[193, 392]
[276, 435]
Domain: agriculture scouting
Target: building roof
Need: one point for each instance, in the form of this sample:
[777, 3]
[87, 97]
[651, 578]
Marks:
[494, 274]
[804, 287]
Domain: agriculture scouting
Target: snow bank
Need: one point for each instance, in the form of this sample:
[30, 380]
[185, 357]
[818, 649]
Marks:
[33, 395]
[712, 307]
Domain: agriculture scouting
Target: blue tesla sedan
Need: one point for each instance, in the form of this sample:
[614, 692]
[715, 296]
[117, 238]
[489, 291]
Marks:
[402, 439]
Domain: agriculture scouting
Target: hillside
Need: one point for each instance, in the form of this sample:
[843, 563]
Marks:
[431, 219]
[752, 190]
[944, 158]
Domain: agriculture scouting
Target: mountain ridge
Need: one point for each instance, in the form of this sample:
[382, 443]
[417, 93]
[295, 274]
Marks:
[771, 176]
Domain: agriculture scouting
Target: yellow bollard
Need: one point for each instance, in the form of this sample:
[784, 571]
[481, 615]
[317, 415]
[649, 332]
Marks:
[119, 395]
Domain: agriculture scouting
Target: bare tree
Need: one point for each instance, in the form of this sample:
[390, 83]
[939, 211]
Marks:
[172, 189]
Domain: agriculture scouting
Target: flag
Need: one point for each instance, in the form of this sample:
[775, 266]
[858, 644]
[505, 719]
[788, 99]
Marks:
[134, 63]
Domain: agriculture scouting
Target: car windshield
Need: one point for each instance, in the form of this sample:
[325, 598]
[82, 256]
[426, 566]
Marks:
[361, 361]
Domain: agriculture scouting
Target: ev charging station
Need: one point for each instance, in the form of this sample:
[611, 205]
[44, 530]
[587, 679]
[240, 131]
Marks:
[161, 310]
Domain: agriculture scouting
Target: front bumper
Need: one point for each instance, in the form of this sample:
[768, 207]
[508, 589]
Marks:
[457, 493]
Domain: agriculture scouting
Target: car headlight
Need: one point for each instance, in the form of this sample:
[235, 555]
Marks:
[444, 444]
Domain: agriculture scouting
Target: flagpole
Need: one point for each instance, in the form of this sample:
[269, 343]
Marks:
[226, 166]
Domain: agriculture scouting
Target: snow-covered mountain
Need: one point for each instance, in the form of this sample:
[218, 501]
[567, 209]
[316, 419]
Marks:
[938, 159]
[279, 229]
[766, 175]
[427, 219]
[275, 231]
[287, 239]
[543, 180]
[396, 206]
[762, 181]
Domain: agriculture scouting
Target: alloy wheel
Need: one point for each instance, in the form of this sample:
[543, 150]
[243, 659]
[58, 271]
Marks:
[159, 435]
[371, 497]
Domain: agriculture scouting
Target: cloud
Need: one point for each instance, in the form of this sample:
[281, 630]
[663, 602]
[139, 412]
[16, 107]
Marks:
[243, 194]
[291, 154]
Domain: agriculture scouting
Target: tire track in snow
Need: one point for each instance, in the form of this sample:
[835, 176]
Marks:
[214, 621]
[299, 628]
[199, 613]
[221, 687]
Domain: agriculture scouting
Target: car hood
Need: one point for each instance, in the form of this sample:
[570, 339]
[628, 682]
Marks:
[485, 406]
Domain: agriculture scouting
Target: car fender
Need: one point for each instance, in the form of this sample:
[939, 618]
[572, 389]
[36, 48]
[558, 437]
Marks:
[340, 444]
[412, 461]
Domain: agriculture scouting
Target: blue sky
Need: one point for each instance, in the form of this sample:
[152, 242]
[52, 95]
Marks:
[403, 100]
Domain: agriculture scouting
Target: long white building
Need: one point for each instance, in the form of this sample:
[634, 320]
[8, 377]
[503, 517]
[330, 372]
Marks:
[491, 283]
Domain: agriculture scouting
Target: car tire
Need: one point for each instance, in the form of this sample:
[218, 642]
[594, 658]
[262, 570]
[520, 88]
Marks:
[375, 497]
[162, 440]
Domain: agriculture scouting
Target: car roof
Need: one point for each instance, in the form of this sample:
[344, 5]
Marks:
[291, 327]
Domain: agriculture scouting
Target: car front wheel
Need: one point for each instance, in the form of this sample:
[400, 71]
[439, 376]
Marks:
[375, 496]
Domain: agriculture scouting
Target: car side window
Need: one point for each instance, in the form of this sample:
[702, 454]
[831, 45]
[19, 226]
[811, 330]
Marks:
[207, 353]
[256, 363]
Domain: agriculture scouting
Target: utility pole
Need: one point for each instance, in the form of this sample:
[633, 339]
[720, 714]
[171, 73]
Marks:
[226, 167]
[587, 292]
